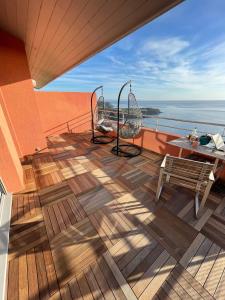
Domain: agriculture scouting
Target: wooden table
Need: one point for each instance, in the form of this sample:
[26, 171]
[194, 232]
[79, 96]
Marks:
[184, 143]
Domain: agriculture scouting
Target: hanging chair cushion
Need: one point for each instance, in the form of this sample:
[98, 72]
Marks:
[104, 129]
[129, 130]
[102, 122]
[133, 122]
[104, 126]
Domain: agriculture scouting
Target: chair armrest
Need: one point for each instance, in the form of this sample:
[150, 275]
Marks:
[211, 176]
[163, 164]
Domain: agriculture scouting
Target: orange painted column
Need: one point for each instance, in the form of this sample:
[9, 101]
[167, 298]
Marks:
[18, 97]
[11, 170]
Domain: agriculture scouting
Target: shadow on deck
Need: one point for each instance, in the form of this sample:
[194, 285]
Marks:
[87, 226]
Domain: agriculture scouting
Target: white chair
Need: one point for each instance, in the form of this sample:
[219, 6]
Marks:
[194, 175]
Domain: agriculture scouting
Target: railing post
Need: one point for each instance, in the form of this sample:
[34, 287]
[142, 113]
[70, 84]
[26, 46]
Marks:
[5, 215]
[157, 124]
[68, 127]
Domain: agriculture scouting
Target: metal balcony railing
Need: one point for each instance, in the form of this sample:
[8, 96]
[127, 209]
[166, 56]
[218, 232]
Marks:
[210, 127]
[2, 190]
[173, 125]
[5, 215]
[159, 122]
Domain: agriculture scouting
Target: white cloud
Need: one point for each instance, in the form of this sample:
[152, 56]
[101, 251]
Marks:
[176, 65]
[163, 48]
[165, 68]
[115, 60]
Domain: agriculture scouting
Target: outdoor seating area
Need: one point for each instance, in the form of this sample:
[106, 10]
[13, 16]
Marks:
[88, 226]
[112, 126]
[112, 150]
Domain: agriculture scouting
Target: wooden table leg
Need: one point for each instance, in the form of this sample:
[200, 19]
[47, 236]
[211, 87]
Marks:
[215, 165]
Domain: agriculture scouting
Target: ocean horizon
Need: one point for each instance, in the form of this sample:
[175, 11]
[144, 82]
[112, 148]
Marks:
[212, 111]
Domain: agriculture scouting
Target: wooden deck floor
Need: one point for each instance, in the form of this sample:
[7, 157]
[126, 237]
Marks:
[87, 227]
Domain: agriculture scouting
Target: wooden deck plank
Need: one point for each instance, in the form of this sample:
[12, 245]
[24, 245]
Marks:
[207, 264]
[41, 272]
[32, 275]
[185, 284]
[54, 221]
[170, 292]
[162, 295]
[50, 269]
[59, 217]
[14, 209]
[143, 267]
[144, 252]
[199, 257]
[74, 289]
[99, 226]
[140, 243]
[148, 276]
[23, 279]
[220, 292]
[93, 285]
[13, 279]
[48, 224]
[55, 194]
[119, 277]
[161, 276]
[65, 293]
[184, 261]
[215, 273]
[94, 231]
[171, 232]
[82, 245]
[178, 288]
[31, 239]
[65, 213]
[83, 183]
[94, 200]
[84, 288]
[102, 283]
[111, 280]
[194, 283]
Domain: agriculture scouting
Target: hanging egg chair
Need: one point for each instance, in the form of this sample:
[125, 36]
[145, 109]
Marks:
[129, 126]
[99, 121]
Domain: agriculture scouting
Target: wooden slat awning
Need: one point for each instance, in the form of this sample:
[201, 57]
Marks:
[60, 34]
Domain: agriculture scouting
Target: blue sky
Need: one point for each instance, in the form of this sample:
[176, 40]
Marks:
[178, 56]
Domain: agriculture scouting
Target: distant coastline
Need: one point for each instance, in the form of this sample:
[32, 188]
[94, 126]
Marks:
[149, 111]
[146, 111]
[192, 110]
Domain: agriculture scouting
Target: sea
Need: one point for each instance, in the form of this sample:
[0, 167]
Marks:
[212, 111]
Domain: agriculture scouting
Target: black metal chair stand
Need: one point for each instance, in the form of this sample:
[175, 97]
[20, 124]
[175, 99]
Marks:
[124, 150]
[98, 139]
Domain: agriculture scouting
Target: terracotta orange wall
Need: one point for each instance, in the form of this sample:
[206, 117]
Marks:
[56, 108]
[26, 115]
[156, 141]
[19, 102]
[10, 167]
